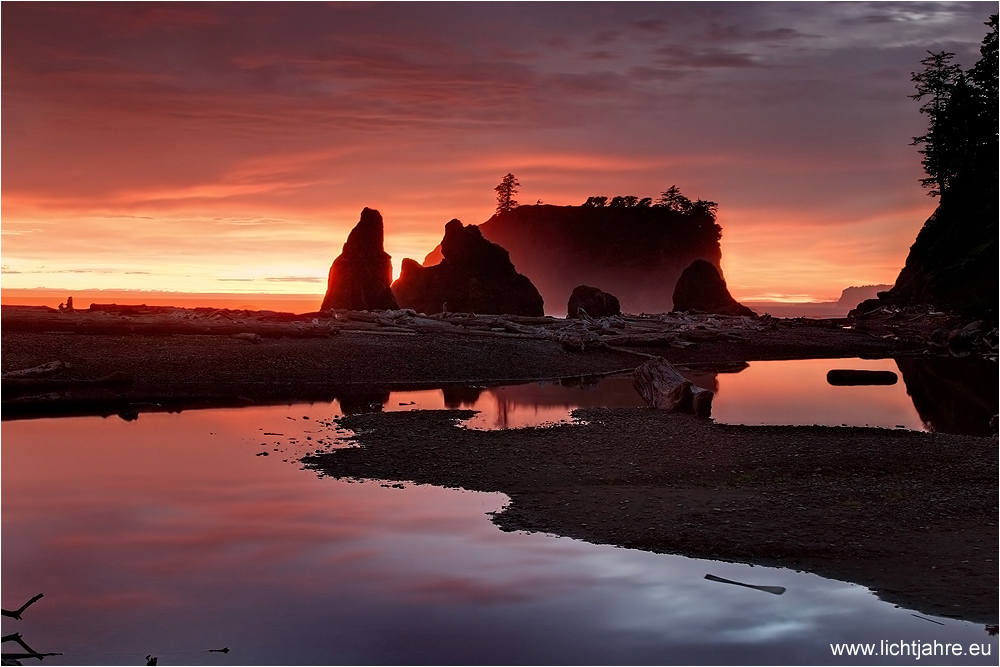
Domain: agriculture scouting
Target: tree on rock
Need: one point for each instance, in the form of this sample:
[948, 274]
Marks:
[505, 193]
[960, 146]
[673, 200]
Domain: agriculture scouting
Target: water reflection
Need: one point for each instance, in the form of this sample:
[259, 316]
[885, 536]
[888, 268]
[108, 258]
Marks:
[169, 536]
[952, 395]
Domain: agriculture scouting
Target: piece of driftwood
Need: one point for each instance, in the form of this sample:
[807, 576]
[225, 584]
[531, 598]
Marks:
[663, 388]
[50, 368]
[773, 590]
[117, 378]
[856, 378]
[16, 614]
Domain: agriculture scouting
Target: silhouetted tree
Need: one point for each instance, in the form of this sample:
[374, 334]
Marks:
[627, 201]
[937, 80]
[645, 202]
[596, 202]
[673, 200]
[704, 207]
[960, 145]
[505, 193]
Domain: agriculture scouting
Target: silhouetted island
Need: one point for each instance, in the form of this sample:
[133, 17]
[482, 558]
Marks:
[632, 249]
[474, 276]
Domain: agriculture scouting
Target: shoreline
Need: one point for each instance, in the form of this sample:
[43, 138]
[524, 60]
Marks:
[910, 515]
[127, 359]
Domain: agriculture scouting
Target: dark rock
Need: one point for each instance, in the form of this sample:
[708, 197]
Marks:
[852, 296]
[474, 276]
[702, 288]
[953, 262]
[635, 253]
[361, 276]
[593, 301]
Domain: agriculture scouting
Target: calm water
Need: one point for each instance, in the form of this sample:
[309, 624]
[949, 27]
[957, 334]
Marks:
[172, 535]
[954, 396]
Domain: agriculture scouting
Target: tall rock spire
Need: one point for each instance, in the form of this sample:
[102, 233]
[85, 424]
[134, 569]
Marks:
[361, 276]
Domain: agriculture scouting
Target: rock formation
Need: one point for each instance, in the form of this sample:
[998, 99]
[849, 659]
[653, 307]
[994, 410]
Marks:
[953, 262]
[636, 253]
[361, 276]
[702, 288]
[474, 276]
[593, 301]
[852, 296]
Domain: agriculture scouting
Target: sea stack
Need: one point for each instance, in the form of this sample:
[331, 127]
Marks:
[360, 278]
[592, 301]
[474, 276]
[702, 288]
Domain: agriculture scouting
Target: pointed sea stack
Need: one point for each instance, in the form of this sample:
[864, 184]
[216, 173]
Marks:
[474, 276]
[361, 276]
[701, 288]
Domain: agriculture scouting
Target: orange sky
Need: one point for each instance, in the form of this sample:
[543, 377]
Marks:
[231, 147]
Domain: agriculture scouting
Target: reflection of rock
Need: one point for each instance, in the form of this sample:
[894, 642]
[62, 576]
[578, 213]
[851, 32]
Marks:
[593, 301]
[354, 403]
[461, 397]
[701, 288]
[952, 395]
[706, 375]
[475, 276]
[360, 278]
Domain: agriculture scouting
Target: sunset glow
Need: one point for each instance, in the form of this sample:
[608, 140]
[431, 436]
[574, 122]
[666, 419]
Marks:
[231, 147]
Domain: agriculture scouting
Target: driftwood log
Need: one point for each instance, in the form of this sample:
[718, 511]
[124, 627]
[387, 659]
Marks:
[663, 388]
[51, 368]
[856, 378]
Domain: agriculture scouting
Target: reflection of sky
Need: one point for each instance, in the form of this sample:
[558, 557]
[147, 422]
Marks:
[767, 392]
[169, 536]
[796, 392]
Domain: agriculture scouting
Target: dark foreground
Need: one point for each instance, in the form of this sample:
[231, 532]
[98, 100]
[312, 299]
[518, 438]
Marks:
[911, 515]
[126, 360]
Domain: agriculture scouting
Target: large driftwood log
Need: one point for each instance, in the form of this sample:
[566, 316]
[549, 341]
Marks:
[662, 387]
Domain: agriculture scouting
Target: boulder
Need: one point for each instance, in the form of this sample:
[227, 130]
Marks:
[593, 301]
[702, 288]
[474, 276]
[360, 278]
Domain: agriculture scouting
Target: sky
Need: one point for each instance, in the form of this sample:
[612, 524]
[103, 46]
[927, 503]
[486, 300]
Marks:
[230, 147]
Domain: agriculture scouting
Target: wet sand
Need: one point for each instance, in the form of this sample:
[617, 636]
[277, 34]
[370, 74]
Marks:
[911, 515]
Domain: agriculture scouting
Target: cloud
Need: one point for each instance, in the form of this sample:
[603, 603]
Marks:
[295, 279]
[684, 56]
[198, 139]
